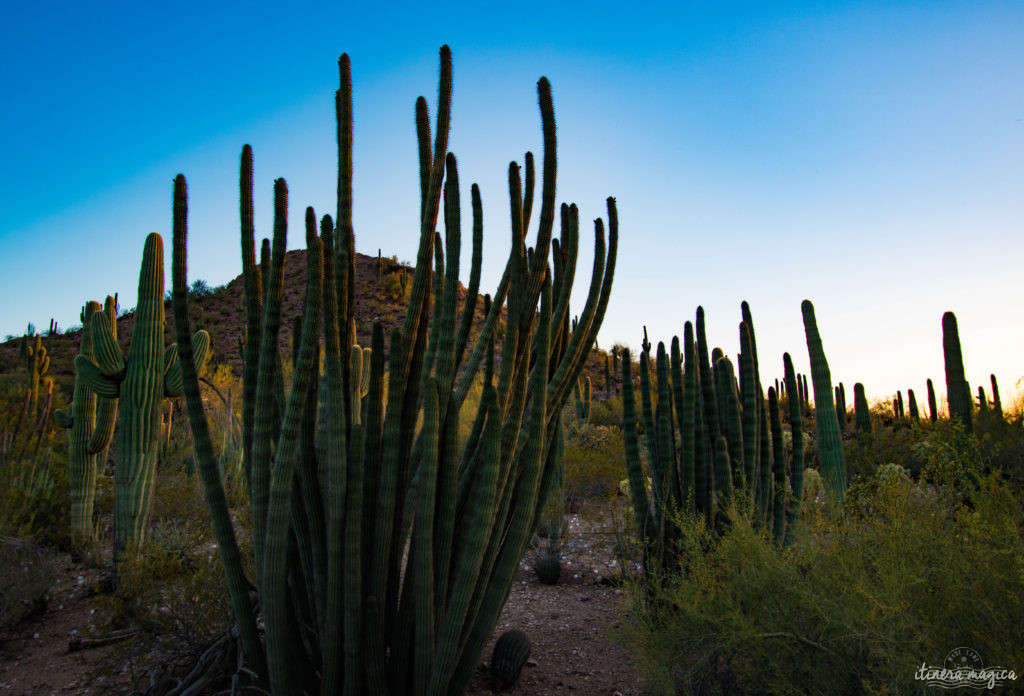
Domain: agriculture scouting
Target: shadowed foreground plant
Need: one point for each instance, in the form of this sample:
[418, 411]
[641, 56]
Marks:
[342, 484]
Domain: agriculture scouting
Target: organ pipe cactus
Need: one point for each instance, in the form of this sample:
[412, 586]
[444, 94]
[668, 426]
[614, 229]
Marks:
[957, 392]
[90, 430]
[797, 463]
[778, 498]
[142, 381]
[862, 415]
[582, 395]
[912, 406]
[830, 446]
[933, 409]
[996, 403]
[347, 495]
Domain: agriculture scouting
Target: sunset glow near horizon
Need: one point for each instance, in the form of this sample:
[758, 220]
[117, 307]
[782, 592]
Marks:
[868, 157]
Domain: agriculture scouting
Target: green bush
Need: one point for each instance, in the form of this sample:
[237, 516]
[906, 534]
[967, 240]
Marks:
[907, 572]
[594, 463]
[27, 572]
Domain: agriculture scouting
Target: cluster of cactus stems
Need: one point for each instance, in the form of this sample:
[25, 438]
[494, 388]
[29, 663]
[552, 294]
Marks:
[729, 444]
[342, 483]
[90, 421]
[840, 394]
[37, 363]
[581, 396]
[140, 381]
[21, 449]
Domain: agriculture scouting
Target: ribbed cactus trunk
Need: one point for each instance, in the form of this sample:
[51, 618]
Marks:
[997, 405]
[89, 433]
[797, 463]
[862, 415]
[80, 422]
[830, 445]
[915, 414]
[353, 484]
[778, 499]
[142, 380]
[142, 393]
[957, 391]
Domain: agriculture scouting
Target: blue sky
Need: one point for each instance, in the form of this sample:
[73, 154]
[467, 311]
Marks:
[867, 156]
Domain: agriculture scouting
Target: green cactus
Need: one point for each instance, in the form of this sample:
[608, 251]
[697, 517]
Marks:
[89, 432]
[779, 469]
[797, 463]
[898, 403]
[548, 568]
[582, 395]
[915, 414]
[997, 405]
[830, 445]
[933, 409]
[511, 651]
[982, 399]
[957, 392]
[750, 413]
[348, 493]
[732, 428]
[37, 363]
[142, 380]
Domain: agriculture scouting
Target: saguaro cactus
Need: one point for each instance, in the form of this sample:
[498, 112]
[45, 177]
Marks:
[89, 433]
[996, 403]
[957, 392]
[37, 362]
[933, 409]
[862, 415]
[347, 495]
[142, 380]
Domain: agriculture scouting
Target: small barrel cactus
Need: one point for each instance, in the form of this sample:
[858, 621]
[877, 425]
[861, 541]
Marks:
[510, 654]
[548, 568]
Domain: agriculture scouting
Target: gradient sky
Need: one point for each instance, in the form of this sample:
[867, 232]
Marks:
[867, 156]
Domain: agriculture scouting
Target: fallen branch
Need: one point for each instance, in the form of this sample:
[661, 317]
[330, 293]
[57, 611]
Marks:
[78, 643]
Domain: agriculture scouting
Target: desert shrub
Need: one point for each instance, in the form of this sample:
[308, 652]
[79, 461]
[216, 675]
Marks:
[606, 412]
[594, 460]
[905, 573]
[865, 452]
[33, 478]
[27, 572]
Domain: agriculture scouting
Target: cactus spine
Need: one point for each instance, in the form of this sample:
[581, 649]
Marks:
[957, 392]
[347, 495]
